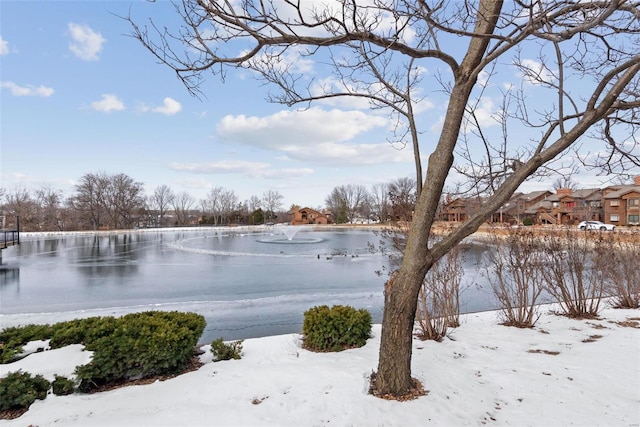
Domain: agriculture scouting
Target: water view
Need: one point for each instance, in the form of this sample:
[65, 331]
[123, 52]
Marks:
[247, 282]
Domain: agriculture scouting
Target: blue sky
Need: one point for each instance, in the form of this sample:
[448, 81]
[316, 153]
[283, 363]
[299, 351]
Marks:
[79, 96]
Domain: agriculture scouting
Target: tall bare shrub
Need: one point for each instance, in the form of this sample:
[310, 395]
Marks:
[623, 271]
[514, 272]
[439, 298]
[574, 274]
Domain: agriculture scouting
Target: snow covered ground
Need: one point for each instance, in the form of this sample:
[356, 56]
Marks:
[562, 372]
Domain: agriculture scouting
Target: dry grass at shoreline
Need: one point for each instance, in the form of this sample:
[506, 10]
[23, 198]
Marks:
[625, 234]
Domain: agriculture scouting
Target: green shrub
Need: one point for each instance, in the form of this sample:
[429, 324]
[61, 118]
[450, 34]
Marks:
[19, 390]
[62, 386]
[14, 338]
[133, 346]
[336, 328]
[82, 331]
[527, 221]
[226, 351]
[141, 345]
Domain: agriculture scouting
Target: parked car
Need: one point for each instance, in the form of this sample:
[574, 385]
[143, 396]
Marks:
[596, 225]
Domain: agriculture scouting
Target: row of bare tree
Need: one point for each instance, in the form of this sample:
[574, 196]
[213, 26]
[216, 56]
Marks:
[575, 269]
[117, 201]
[383, 201]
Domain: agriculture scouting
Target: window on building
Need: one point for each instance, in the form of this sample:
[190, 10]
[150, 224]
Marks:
[614, 203]
[634, 220]
[633, 202]
[614, 218]
[555, 204]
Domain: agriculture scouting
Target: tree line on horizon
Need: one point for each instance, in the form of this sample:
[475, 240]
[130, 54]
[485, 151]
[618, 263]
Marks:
[117, 201]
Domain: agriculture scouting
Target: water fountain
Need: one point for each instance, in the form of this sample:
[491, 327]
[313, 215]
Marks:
[290, 231]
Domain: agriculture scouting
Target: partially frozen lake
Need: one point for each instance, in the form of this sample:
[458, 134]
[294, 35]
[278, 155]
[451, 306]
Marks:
[247, 282]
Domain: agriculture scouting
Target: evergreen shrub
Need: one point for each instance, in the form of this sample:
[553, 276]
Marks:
[82, 331]
[336, 328]
[62, 386]
[226, 351]
[14, 338]
[141, 345]
[19, 390]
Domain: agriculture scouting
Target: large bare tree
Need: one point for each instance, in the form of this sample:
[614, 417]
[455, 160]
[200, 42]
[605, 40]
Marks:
[161, 200]
[90, 199]
[379, 201]
[347, 201]
[21, 205]
[272, 202]
[48, 201]
[182, 203]
[576, 96]
[110, 200]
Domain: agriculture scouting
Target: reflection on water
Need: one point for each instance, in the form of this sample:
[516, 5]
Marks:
[9, 276]
[242, 284]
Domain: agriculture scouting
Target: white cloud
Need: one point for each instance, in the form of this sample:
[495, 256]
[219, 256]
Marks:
[292, 59]
[108, 103]
[485, 112]
[28, 90]
[4, 46]
[252, 169]
[311, 126]
[315, 135]
[286, 173]
[483, 78]
[225, 166]
[436, 127]
[326, 85]
[86, 44]
[534, 72]
[169, 107]
[351, 154]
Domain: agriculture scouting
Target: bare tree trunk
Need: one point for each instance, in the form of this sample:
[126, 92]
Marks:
[394, 364]
[401, 295]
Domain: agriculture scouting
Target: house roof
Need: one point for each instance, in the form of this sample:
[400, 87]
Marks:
[465, 201]
[621, 191]
[543, 204]
[585, 193]
[531, 196]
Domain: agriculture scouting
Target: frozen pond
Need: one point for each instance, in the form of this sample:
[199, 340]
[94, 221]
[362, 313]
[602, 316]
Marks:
[247, 282]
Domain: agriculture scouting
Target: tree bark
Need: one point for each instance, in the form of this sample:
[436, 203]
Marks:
[401, 291]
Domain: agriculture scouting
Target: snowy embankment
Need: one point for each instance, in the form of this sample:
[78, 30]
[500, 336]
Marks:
[562, 372]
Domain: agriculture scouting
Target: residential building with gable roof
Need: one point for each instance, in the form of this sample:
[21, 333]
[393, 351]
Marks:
[301, 216]
[622, 204]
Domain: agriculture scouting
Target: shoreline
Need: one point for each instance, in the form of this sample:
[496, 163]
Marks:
[483, 374]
